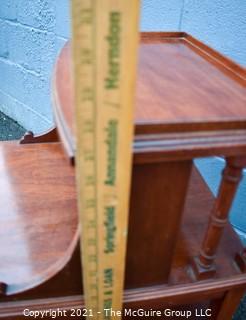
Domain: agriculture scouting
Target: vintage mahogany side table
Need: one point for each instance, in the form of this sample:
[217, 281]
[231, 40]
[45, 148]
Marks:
[190, 103]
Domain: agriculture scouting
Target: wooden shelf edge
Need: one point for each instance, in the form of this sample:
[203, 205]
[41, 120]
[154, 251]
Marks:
[144, 297]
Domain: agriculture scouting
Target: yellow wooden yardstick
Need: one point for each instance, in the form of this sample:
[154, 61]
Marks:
[105, 40]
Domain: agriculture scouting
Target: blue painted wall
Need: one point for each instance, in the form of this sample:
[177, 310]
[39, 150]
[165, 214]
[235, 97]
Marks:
[33, 31]
[220, 23]
[29, 42]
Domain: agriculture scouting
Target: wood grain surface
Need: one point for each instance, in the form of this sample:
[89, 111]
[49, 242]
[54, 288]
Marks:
[182, 84]
[181, 287]
[38, 216]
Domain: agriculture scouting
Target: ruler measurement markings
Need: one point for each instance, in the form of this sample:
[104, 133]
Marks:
[88, 122]
[102, 232]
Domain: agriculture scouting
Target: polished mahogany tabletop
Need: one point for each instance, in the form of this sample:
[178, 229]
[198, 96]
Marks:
[38, 218]
[181, 83]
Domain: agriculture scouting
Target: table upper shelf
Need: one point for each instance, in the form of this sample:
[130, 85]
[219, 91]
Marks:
[182, 85]
[181, 80]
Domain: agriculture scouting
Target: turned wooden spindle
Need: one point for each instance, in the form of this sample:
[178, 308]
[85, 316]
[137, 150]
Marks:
[203, 265]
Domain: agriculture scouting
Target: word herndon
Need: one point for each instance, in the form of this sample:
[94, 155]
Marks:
[112, 80]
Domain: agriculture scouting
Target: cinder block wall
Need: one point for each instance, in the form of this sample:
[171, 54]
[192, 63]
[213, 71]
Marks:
[30, 37]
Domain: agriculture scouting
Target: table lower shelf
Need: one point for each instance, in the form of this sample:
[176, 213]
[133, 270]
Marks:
[38, 212]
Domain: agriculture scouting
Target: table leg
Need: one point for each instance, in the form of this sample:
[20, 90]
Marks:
[230, 303]
[203, 265]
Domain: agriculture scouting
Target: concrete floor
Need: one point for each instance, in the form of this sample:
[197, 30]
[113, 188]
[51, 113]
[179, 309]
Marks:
[11, 130]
